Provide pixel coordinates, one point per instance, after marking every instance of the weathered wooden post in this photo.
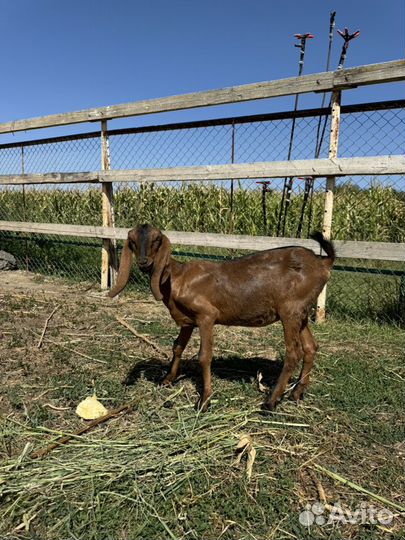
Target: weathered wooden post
(109, 247)
(330, 190)
(24, 209)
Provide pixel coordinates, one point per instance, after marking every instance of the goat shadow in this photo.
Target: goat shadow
(230, 368)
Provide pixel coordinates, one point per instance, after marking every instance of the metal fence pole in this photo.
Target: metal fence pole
(330, 189)
(109, 247)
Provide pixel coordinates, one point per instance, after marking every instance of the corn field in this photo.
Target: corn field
(376, 214)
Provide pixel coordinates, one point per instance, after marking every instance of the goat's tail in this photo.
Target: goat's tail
(326, 245)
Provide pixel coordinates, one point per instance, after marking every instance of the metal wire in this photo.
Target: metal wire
(366, 208)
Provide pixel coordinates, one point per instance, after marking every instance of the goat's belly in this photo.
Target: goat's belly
(252, 320)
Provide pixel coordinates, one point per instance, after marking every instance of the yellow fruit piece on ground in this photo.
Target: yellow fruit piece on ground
(90, 408)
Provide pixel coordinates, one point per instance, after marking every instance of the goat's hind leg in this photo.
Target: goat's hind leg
(309, 347)
(179, 345)
(293, 354)
(206, 327)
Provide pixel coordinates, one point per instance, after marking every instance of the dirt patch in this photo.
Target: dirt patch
(20, 281)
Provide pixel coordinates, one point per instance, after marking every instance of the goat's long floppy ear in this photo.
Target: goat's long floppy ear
(161, 271)
(124, 270)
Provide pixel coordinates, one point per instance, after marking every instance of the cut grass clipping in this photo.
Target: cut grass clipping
(148, 466)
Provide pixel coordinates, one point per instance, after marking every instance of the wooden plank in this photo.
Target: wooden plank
(318, 82)
(332, 154)
(329, 194)
(385, 251)
(109, 247)
(378, 165)
(50, 178)
(369, 74)
(59, 229)
(104, 208)
(246, 119)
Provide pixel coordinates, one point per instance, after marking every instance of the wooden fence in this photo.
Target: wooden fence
(330, 168)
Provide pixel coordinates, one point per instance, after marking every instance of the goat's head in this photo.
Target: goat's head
(145, 242)
(152, 252)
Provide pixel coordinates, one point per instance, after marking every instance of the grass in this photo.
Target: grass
(165, 471)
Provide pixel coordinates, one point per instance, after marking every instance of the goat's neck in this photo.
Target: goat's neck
(175, 270)
(176, 267)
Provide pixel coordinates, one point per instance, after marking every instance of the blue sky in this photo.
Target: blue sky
(71, 55)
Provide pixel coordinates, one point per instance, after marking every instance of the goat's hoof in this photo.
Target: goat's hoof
(167, 381)
(202, 406)
(269, 406)
(298, 395)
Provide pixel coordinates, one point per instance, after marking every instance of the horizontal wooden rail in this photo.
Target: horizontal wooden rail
(318, 82)
(226, 121)
(351, 249)
(378, 165)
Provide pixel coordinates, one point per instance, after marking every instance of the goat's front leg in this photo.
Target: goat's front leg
(179, 345)
(206, 327)
(293, 354)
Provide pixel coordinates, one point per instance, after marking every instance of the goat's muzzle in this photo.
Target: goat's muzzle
(145, 265)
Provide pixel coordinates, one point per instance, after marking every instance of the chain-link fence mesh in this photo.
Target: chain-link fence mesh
(366, 208)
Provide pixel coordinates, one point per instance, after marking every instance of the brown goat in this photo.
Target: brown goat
(255, 290)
